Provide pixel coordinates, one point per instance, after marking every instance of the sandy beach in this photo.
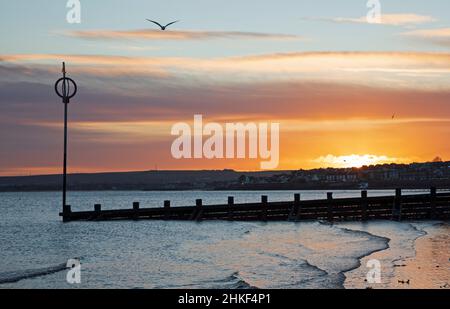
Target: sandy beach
(430, 268)
(417, 256)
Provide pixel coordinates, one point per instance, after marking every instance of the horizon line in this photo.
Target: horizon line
(222, 170)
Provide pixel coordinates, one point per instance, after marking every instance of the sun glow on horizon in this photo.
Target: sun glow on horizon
(355, 160)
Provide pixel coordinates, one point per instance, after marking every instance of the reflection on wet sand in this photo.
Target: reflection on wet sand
(430, 268)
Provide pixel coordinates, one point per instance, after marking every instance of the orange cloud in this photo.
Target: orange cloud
(439, 36)
(117, 132)
(149, 34)
(433, 33)
(387, 69)
(404, 19)
(305, 125)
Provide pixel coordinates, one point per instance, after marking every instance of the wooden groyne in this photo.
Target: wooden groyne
(398, 207)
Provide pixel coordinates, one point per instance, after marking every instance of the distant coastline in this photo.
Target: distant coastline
(387, 176)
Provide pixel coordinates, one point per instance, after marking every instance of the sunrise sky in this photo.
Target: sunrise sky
(332, 81)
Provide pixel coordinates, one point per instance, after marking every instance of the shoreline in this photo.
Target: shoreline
(363, 257)
(418, 257)
(224, 189)
(430, 267)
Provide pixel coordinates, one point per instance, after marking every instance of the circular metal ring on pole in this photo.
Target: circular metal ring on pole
(64, 83)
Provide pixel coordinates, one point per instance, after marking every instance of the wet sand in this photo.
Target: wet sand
(430, 268)
(417, 256)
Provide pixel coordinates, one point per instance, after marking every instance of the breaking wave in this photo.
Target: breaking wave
(15, 276)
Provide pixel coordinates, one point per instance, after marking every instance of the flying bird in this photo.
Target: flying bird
(161, 26)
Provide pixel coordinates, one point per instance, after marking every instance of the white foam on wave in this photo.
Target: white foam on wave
(16, 276)
(402, 237)
(288, 255)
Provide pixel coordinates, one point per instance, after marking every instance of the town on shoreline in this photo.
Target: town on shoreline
(386, 176)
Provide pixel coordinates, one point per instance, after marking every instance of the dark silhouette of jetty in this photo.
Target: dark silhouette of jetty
(399, 207)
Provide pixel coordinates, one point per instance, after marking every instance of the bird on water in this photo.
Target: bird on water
(161, 26)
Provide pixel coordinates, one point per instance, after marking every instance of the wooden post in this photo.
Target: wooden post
(297, 199)
(198, 211)
(97, 210)
(364, 205)
(397, 208)
(66, 213)
(294, 214)
(264, 207)
(135, 210)
(166, 210)
(230, 207)
(330, 206)
(433, 203)
(97, 207)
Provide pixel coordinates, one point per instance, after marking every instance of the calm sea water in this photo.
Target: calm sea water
(35, 244)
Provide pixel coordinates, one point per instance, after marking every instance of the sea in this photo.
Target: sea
(35, 245)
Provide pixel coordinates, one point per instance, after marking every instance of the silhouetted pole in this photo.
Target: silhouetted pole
(63, 90)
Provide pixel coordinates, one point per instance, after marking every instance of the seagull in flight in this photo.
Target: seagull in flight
(161, 26)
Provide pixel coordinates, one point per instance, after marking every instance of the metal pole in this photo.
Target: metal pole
(65, 135)
(65, 88)
(65, 157)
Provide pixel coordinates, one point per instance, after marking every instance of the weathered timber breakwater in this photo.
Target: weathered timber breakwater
(397, 207)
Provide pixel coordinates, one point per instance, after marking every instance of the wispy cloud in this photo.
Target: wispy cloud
(406, 19)
(150, 34)
(128, 131)
(440, 36)
(391, 69)
(303, 125)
